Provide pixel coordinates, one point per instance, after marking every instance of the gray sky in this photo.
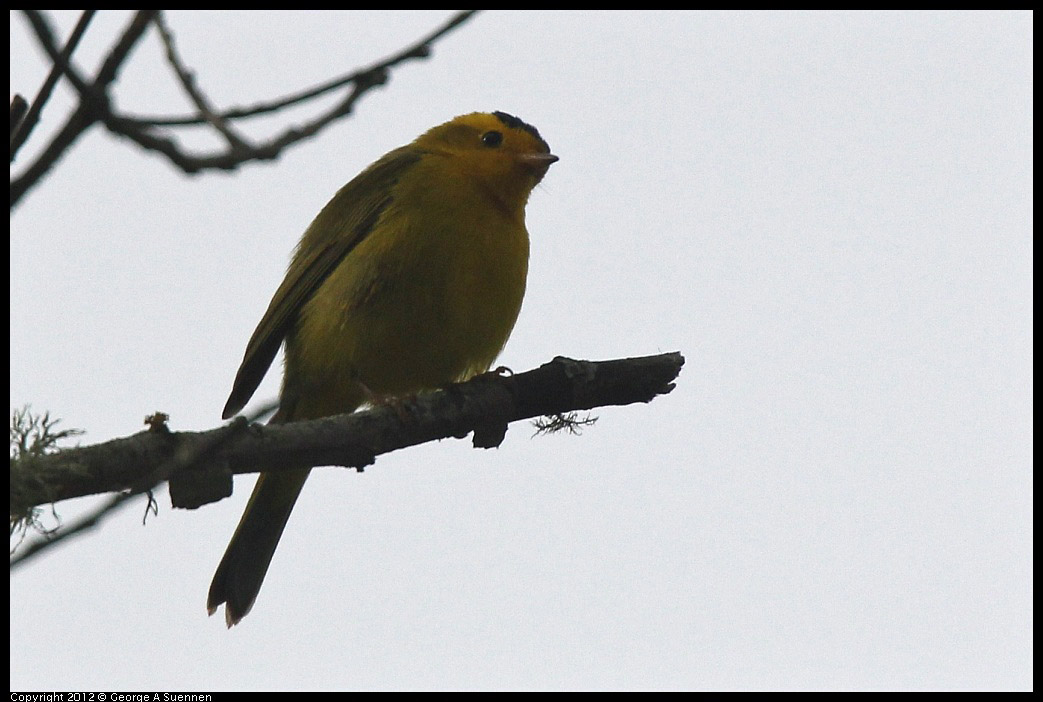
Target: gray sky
(829, 215)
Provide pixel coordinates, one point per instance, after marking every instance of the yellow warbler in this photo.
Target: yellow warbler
(409, 279)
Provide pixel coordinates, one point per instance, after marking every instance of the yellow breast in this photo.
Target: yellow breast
(427, 298)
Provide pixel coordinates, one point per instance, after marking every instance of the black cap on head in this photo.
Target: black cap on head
(515, 123)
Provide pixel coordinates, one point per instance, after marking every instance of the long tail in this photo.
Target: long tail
(242, 569)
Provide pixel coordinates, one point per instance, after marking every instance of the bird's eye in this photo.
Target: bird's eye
(492, 139)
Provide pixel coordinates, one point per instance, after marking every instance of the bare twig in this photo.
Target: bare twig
(420, 49)
(88, 111)
(96, 107)
(188, 81)
(81, 525)
(18, 109)
(25, 128)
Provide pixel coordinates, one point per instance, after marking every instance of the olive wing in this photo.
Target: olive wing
(345, 221)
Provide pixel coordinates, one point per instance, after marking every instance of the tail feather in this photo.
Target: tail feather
(242, 569)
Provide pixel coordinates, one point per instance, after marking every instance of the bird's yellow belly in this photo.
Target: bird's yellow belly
(406, 311)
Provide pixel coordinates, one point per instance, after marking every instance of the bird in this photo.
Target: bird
(409, 279)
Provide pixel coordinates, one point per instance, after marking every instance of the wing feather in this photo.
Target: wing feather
(345, 221)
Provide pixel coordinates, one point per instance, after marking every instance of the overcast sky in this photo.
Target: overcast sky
(829, 215)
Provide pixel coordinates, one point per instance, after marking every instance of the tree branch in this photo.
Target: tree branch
(43, 95)
(82, 525)
(200, 465)
(95, 105)
(187, 78)
(369, 75)
(87, 113)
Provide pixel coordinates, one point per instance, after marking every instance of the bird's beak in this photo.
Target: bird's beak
(537, 160)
